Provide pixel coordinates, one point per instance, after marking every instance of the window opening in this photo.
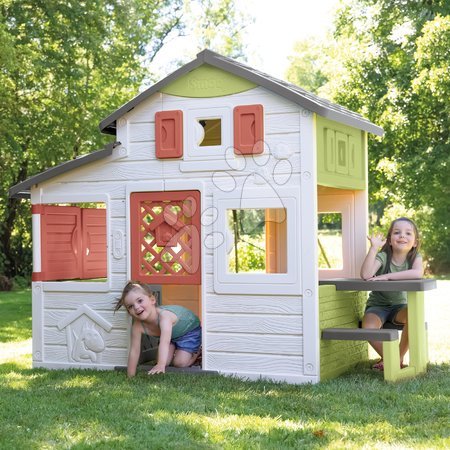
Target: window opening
(259, 240)
(330, 241)
(212, 129)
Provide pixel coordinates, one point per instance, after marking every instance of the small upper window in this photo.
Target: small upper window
(212, 132)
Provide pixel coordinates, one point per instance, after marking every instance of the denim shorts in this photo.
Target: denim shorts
(386, 313)
(189, 342)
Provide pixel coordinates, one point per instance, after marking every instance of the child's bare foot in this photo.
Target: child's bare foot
(378, 366)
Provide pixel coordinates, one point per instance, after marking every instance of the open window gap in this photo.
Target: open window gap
(212, 129)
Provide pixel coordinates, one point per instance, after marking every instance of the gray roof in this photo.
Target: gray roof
(22, 190)
(289, 91)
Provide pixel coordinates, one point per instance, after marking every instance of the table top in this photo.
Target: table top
(357, 284)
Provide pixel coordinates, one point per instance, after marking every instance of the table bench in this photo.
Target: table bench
(418, 346)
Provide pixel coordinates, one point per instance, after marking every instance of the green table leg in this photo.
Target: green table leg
(418, 344)
(391, 360)
(417, 333)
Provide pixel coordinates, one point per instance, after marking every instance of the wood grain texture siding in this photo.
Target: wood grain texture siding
(142, 132)
(259, 364)
(257, 324)
(71, 300)
(141, 151)
(112, 188)
(282, 123)
(122, 171)
(253, 304)
(267, 344)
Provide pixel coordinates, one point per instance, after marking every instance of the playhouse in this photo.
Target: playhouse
(213, 163)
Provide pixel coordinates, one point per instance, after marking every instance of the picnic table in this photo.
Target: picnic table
(418, 344)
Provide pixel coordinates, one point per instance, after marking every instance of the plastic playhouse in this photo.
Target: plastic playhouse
(234, 193)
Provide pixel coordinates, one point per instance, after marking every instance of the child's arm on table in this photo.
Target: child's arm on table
(414, 273)
(135, 349)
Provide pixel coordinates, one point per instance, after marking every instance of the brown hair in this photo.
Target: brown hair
(131, 286)
(387, 248)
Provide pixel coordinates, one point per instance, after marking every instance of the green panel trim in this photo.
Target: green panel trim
(340, 309)
(341, 155)
(207, 81)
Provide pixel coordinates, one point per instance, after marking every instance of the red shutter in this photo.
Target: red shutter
(61, 251)
(94, 243)
(73, 243)
(248, 129)
(169, 134)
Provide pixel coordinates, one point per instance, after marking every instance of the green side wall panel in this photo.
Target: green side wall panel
(207, 81)
(340, 309)
(341, 155)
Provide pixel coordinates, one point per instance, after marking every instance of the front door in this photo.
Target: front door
(165, 245)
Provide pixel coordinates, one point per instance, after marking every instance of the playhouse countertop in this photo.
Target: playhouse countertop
(356, 284)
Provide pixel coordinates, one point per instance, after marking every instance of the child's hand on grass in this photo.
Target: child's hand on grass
(159, 368)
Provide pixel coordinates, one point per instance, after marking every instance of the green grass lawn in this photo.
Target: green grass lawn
(81, 409)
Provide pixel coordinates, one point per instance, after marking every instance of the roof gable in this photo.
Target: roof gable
(207, 81)
(287, 90)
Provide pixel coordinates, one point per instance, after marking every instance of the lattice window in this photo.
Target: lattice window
(165, 237)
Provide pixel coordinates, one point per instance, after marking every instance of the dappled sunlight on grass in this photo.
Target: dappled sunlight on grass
(18, 351)
(80, 381)
(232, 430)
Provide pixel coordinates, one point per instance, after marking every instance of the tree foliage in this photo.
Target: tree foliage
(390, 61)
(65, 65)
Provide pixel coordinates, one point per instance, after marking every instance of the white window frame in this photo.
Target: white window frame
(344, 205)
(226, 282)
(193, 149)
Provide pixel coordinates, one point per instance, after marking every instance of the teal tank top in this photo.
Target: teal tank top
(186, 322)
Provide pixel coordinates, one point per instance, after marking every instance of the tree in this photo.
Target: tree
(65, 65)
(391, 64)
(306, 65)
